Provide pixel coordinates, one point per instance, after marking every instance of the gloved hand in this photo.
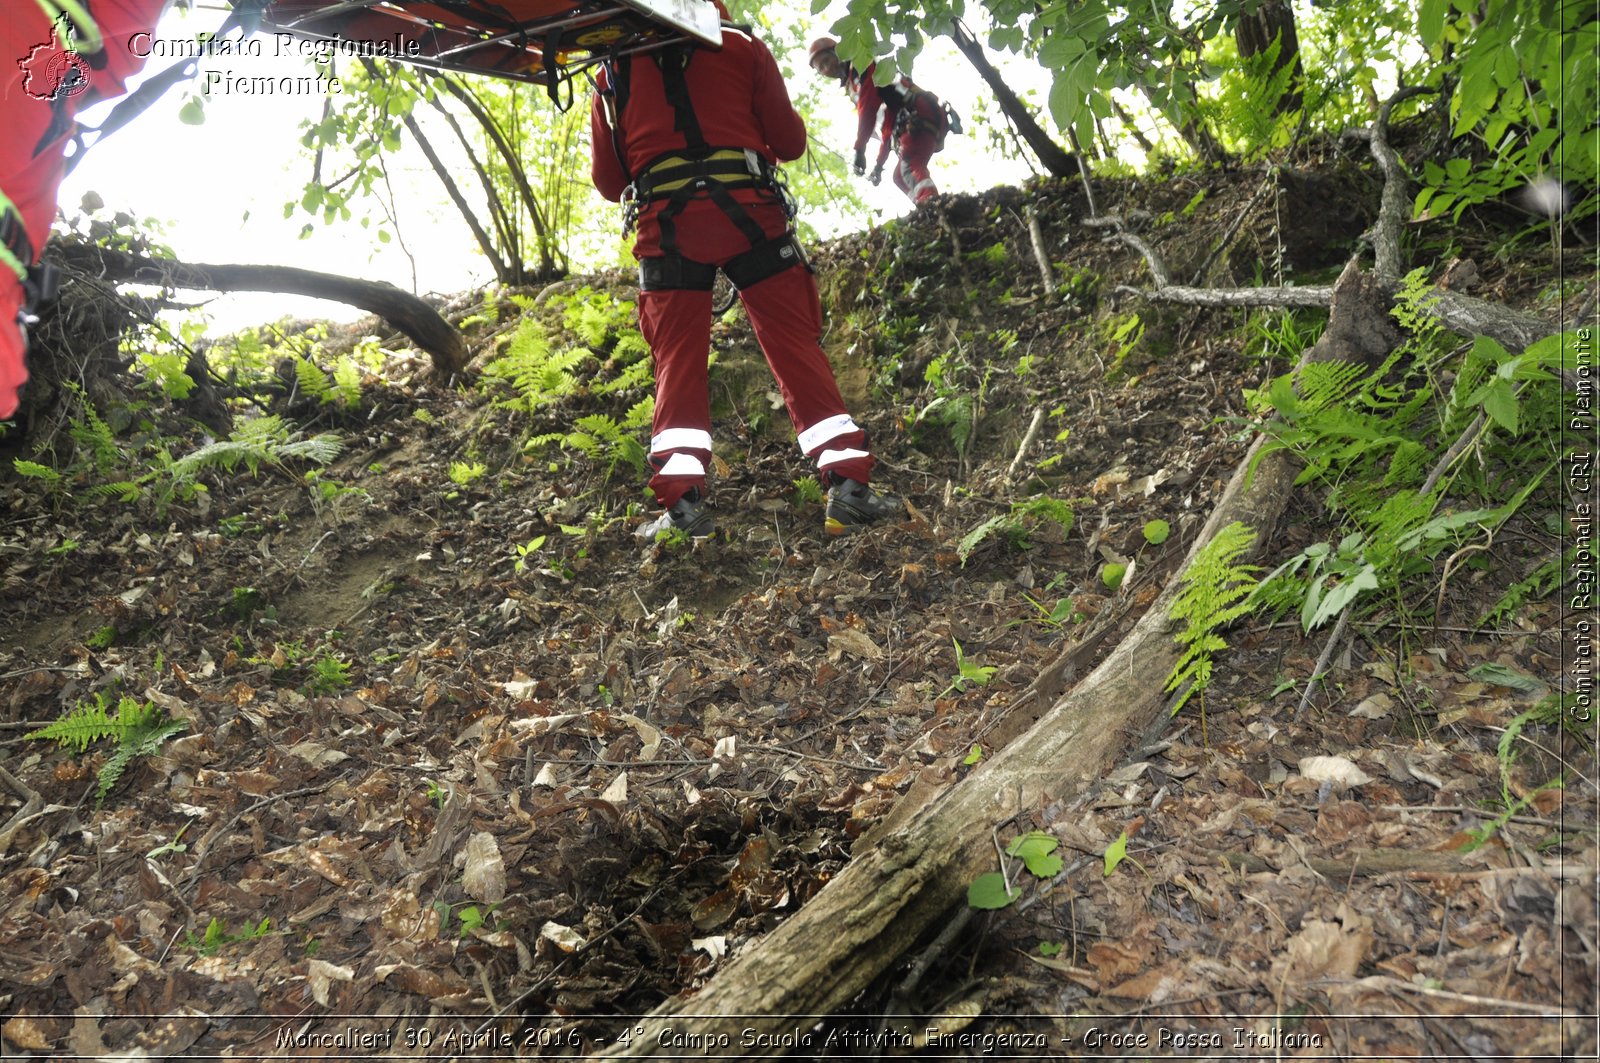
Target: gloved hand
(876, 175)
(860, 165)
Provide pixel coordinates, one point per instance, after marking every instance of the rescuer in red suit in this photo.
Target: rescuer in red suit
(687, 137)
(913, 121)
(55, 59)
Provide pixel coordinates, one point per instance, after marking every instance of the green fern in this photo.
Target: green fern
(346, 383)
(603, 438)
(537, 375)
(310, 378)
(83, 726)
(34, 471)
(1216, 592)
(636, 374)
(257, 442)
(1017, 524)
(124, 491)
(641, 414)
(95, 436)
(139, 729)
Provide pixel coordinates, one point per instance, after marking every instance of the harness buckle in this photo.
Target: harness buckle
(630, 208)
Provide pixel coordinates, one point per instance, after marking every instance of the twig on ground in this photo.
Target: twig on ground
(1036, 236)
(1027, 441)
(1322, 663)
(1382, 981)
(31, 803)
(202, 848)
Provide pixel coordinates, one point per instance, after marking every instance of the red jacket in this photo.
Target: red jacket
(870, 99)
(739, 100)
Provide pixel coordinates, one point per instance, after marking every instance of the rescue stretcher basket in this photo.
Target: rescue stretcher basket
(544, 42)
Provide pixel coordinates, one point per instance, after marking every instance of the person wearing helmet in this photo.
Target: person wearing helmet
(57, 60)
(913, 120)
(687, 139)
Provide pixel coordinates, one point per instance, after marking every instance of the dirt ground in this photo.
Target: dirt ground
(529, 802)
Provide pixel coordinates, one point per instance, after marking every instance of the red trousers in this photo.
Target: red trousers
(911, 168)
(38, 105)
(916, 146)
(787, 317)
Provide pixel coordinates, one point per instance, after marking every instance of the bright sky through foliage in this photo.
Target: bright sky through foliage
(219, 188)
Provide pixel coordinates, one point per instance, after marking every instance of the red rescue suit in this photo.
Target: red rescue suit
(43, 84)
(913, 121)
(695, 131)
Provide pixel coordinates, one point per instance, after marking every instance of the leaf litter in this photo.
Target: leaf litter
(549, 799)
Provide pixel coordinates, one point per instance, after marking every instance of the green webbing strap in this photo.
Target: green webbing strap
(79, 17)
(15, 238)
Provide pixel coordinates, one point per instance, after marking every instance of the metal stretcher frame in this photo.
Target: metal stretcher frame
(537, 41)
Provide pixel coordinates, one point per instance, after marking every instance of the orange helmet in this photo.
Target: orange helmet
(823, 44)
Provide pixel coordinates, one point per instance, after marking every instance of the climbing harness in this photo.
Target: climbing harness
(698, 170)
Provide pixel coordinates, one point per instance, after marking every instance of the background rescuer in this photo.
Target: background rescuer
(687, 139)
(914, 120)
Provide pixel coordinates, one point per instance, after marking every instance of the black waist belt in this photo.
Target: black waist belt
(715, 172)
(728, 167)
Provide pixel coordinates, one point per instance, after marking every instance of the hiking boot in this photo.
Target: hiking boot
(689, 514)
(852, 505)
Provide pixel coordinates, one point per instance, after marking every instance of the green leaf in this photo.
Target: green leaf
(1111, 575)
(1156, 532)
(1116, 852)
(193, 112)
(1050, 948)
(1500, 403)
(1333, 603)
(1500, 675)
(973, 756)
(1037, 850)
(988, 892)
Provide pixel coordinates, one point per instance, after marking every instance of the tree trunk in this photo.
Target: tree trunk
(1254, 34)
(1055, 159)
(410, 315)
(883, 901)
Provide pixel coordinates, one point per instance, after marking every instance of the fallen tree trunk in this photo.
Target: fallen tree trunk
(820, 960)
(405, 312)
(817, 962)
(1461, 314)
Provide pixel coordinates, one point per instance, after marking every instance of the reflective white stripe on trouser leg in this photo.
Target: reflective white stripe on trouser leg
(681, 464)
(921, 186)
(826, 429)
(834, 457)
(680, 439)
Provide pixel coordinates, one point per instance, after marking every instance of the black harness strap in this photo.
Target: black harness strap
(674, 64)
(14, 236)
(681, 176)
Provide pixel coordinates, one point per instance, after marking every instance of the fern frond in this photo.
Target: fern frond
(125, 491)
(310, 378)
(321, 449)
(1216, 592)
(347, 383)
(599, 425)
(641, 413)
(143, 741)
(34, 471)
(85, 724)
(974, 538)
